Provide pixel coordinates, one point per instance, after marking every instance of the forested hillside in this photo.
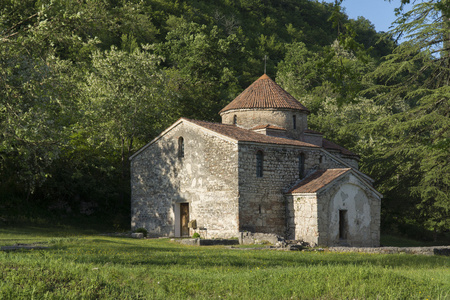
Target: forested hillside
(85, 83)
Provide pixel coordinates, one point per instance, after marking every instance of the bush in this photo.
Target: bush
(196, 235)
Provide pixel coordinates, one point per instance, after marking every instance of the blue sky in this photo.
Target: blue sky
(379, 12)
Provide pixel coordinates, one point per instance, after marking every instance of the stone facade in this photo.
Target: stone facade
(258, 171)
(314, 218)
(205, 178)
(262, 202)
(248, 119)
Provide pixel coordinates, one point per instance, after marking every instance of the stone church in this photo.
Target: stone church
(260, 170)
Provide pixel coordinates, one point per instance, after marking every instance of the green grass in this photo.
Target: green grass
(396, 241)
(26, 234)
(92, 267)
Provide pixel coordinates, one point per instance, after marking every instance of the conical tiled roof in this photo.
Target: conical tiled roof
(264, 93)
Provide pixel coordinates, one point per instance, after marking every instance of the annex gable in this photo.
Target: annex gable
(321, 179)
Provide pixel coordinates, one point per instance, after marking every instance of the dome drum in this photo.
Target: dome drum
(294, 121)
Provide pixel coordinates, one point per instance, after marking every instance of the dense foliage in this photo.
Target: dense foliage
(84, 84)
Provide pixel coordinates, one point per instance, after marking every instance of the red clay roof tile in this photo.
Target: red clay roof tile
(246, 135)
(317, 180)
(264, 93)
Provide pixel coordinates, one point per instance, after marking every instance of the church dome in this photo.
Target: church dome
(264, 104)
(264, 93)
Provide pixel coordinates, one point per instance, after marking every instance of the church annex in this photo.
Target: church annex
(260, 170)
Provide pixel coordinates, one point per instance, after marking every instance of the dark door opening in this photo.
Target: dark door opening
(343, 224)
(184, 214)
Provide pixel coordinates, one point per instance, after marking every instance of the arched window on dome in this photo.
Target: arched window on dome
(259, 163)
(294, 121)
(235, 120)
(180, 147)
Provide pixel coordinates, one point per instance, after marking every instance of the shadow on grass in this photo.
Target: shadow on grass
(167, 255)
(163, 253)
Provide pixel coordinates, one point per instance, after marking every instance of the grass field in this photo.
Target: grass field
(89, 266)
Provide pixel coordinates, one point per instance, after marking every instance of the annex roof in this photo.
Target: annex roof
(264, 93)
(317, 180)
(321, 178)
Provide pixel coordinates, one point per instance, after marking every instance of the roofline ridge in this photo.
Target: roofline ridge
(176, 123)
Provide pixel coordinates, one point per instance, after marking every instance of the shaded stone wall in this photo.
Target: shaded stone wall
(351, 161)
(154, 186)
(206, 178)
(302, 218)
(329, 161)
(314, 139)
(314, 218)
(262, 206)
(248, 119)
(362, 207)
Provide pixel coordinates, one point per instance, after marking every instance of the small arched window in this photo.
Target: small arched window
(259, 163)
(294, 121)
(235, 120)
(180, 147)
(301, 165)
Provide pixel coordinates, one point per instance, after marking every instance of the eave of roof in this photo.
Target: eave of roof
(245, 135)
(268, 126)
(317, 180)
(231, 133)
(323, 177)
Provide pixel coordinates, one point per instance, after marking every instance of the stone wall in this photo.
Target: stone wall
(362, 208)
(314, 218)
(206, 178)
(315, 139)
(262, 206)
(328, 161)
(332, 160)
(249, 118)
(249, 238)
(352, 161)
(217, 177)
(302, 218)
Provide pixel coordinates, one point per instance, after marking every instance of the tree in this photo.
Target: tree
(418, 74)
(304, 72)
(126, 99)
(35, 117)
(201, 61)
(340, 65)
(36, 111)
